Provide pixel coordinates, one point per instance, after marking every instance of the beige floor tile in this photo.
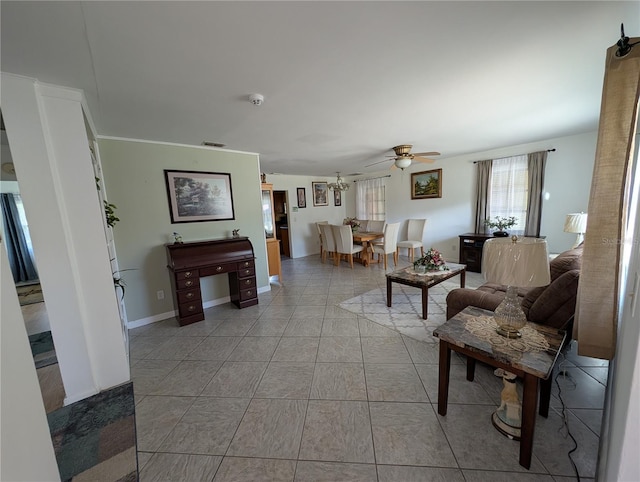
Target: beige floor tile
(340, 327)
(297, 349)
(178, 467)
(339, 349)
(271, 429)
(396, 473)
(339, 381)
(235, 379)
(384, 350)
(156, 416)
(286, 380)
(394, 382)
(255, 348)
(334, 471)
(241, 469)
(188, 379)
(215, 348)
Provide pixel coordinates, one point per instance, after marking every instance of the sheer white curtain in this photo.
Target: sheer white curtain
(370, 201)
(509, 190)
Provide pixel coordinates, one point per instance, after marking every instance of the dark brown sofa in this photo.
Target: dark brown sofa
(551, 305)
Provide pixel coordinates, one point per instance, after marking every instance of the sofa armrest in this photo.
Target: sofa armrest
(556, 304)
(486, 297)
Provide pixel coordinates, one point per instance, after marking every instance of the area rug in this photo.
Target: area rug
(44, 353)
(405, 314)
(29, 294)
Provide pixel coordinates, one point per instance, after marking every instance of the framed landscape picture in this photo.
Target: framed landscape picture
(320, 193)
(426, 184)
(196, 196)
(337, 198)
(302, 198)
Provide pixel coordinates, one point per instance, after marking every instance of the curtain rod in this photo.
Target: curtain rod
(548, 150)
(372, 178)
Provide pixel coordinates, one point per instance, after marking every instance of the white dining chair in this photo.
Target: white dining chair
(415, 232)
(389, 245)
(320, 237)
(329, 244)
(344, 244)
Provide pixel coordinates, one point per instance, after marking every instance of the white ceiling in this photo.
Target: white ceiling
(343, 81)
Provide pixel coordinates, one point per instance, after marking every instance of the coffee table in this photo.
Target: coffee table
(407, 276)
(531, 357)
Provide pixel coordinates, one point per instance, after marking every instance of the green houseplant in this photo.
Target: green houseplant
(500, 224)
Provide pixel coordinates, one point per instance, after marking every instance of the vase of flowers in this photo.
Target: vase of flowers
(431, 261)
(500, 224)
(353, 222)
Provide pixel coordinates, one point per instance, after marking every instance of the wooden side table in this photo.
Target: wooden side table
(472, 333)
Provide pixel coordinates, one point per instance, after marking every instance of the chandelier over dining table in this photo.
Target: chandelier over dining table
(339, 185)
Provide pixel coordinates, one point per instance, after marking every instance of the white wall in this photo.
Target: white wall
(302, 228)
(567, 182)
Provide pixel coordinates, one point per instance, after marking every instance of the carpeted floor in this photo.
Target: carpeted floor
(405, 314)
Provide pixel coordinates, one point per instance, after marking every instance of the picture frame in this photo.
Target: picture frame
(302, 197)
(426, 184)
(198, 196)
(337, 198)
(320, 193)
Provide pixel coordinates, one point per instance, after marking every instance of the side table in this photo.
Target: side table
(532, 357)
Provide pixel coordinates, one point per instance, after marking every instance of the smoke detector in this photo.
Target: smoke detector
(256, 99)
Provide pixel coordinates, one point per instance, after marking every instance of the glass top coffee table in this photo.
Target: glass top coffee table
(424, 281)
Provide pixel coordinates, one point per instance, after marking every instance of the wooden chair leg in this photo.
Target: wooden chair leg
(395, 259)
(351, 260)
(385, 261)
(421, 250)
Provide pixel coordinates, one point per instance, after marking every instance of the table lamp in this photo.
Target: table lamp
(516, 263)
(576, 223)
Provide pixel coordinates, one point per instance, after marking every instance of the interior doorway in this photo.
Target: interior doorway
(281, 208)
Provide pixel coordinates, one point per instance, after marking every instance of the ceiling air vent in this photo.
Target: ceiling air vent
(212, 144)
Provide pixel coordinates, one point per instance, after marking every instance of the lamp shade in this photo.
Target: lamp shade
(523, 262)
(575, 223)
(403, 162)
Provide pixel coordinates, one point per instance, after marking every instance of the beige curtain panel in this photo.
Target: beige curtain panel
(536, 162)
(483, 174)
(598, 308)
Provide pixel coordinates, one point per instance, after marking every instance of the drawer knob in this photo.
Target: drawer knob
(219, 268)
(247, 282)
(189, 295)
(247, 271)
(189, 283)
(188, 274)
(246, 263)
(192, 308)
(249, 293)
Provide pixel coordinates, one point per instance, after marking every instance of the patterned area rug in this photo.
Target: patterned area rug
(405, 314)
(44, 353)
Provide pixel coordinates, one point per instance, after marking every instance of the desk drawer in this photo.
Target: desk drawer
(186, 274)
(221, 268)
(248, 294)
(188, 309)
(189, 296)
(184, 284)
(246, 283)
(246, 272)
(245, 264)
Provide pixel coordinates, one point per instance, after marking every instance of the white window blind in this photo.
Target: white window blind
(370, 199)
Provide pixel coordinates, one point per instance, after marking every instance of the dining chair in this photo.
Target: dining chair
(389, 245)
(375, 226)
(320, 237)
(415, 231)
(344, 244)
(364, 225)
(328, 241)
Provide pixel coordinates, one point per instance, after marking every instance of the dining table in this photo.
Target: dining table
(366, 238)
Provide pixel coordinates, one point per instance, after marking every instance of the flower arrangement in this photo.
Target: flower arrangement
(432, 261)
(501, 223)
(353, 222)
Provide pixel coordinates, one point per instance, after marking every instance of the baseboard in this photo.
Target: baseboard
(170, 314)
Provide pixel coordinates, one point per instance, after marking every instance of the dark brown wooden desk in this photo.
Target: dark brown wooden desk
(188, 262)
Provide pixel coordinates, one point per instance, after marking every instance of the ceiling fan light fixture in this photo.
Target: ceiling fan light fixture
(403, 162)
(339, 185)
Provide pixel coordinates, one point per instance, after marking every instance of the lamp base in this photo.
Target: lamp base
(509, 315)
(514, 433)
(508, 333)
(508, 416)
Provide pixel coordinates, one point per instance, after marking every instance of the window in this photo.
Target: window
(508, 191)
(370, 200)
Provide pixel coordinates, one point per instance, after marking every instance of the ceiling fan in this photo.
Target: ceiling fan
(404, 157)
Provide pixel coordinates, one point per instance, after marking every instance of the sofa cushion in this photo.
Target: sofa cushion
(566, 261)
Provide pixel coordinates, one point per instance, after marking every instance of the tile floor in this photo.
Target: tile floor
(297, 389)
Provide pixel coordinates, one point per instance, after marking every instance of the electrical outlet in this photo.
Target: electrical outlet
(160, 294)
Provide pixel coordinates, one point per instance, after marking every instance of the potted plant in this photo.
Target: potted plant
(501, 224)
(353, 222)
(431, 261)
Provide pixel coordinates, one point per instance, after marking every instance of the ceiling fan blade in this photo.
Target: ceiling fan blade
(426, 154)
(385, 160)
(393, 166)
(423, 159)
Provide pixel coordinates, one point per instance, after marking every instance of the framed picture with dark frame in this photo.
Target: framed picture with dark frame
(196, 196)
(426, 184)
(320, 197)
(302, 197)
(337, 198)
